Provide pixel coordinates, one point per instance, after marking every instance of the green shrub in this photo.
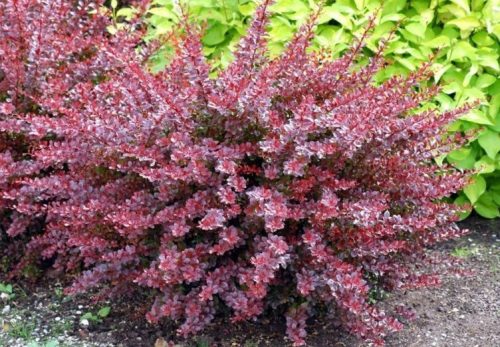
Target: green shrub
(464, 36)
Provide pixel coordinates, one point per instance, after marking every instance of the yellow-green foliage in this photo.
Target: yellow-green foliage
(467, 64)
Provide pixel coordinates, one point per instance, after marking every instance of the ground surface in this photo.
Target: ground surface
(463, 312)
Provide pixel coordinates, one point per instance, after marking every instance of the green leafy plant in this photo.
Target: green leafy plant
(464, 252)
(6, 288)
(462, 34)
(59, 292)
(60, 296)
(61, 327)
(377, 294)
(96, 317)
(21, 329)
(7, 291)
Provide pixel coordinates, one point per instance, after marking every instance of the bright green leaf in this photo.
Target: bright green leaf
(419, 5)
(472, 71)
(88, 316)
(465, 23)
(126, 12)
(485, 165)
(482, 39)
(393, 6)
(439, 70)
(417, 29)
(450, 32)
(409, 36)
(488, 59)
(496, 124)
(459, 154)
(328, 36)
(495, 189)
(451, 11)
(464, 4)
(426, 16)
(104, 312)
(445, 101)
(330, 12)
(112, 29)
(463, 158)
(440, 159)
(485, 80)
(477, 116)
(281, 30)
(215, 35)
(6, 288)
(461, 50)
(162, 12)
(494, 105)
(463, 202)
(247, 9)
(406, 62)
(495, 30)
(226, 57)
(495, 88)
(486, 206)
(360, 4)
(453, 87)
(393, 17)
(470, 94)
(475, 189)
(289, 6)
(490, 141)
(438, 42)
(477, 5)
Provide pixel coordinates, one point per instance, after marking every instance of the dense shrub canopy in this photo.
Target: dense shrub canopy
(463, 35)
(285, 184)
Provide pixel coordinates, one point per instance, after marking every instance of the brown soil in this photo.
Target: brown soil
(463, 312)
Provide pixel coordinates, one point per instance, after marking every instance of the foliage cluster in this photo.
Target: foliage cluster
(288, 184)
(95, 318)
(464, 35)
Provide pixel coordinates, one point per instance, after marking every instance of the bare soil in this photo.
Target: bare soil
(463, 312)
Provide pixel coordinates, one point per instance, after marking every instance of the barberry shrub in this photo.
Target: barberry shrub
(282, 184)
(46, 49)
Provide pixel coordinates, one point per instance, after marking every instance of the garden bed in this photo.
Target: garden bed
(464, 311)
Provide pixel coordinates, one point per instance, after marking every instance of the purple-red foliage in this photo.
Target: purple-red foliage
(281, 184)
(47, 48)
